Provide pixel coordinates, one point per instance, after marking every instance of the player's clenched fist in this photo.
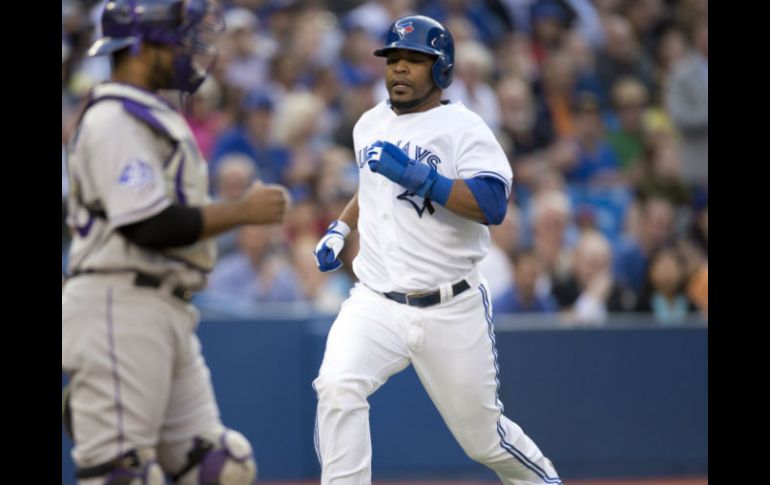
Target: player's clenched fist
(328, 248)
(391, 162)
(265, 204)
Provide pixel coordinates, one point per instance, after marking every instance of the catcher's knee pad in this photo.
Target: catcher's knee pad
(221, 457)
(135, 467)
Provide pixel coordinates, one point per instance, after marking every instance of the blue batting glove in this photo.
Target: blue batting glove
(391, 162)
(373, 156)
(328, 248)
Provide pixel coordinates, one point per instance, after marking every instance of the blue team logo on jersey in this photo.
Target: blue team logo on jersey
(418, 203)
(425, 156)
(403, 29)
(137, 174)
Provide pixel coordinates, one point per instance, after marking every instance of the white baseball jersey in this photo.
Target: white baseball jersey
(132, 156)
(407, 244)
(404, 247)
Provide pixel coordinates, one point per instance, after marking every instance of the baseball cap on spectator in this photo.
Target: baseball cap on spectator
(549, 9)
(258, 100)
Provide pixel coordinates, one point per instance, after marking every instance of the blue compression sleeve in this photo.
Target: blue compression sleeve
(439, 191)
(490, 196)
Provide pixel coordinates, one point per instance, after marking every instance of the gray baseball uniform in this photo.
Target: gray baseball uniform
(138, 378)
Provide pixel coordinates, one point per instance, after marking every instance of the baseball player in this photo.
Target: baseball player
(432, 176)
(141, 403)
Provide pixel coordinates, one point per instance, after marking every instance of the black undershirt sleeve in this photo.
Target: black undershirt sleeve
(174, 226)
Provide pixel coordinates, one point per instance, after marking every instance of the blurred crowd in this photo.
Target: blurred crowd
(601, 106)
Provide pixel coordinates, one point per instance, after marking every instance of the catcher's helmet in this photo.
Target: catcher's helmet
(186, 24)
(423, 34)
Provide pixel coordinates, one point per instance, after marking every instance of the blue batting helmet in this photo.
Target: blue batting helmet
(423, 34)
(186, 24)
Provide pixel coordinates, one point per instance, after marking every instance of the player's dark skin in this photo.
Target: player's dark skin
(152, 69)
(409, 80)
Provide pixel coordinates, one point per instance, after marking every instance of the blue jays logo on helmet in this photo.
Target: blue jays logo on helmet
(403, 29)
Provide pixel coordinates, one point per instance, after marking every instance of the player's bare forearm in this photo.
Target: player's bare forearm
(262, 204)
(350, 214)
(221, 217)
(462, 202)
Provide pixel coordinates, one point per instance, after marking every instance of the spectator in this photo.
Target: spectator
(522, 296)
(595, 162)
(655, 228)
(551, 219)
(622, 56)
(550, 22)
(646, 19)
(526, 132)
(514, 58)
(687, 104)
(665, 292)
(234, 176)
(252, 137)
(589, 292)
(489, 19)
(629, 101)
(248, 51)
(660, 174)
(586, 76)
(296, 126)
(556, 91)
(357, 65)
(671, 48)
(286, 75)
(588, 22)
(375, 16)
(256, 273)
(473, 69)
(356, 99)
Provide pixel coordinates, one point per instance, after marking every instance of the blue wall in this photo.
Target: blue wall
(599, 402)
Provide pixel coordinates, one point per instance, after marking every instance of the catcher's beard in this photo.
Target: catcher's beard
(161, 73)
(403, 106)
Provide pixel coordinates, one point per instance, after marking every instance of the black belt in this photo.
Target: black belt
(149, 281)
(425, 299)
(129, 460)
(144, 280)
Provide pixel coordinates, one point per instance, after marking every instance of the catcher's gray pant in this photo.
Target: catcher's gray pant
(137, 376)
(451, 346)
